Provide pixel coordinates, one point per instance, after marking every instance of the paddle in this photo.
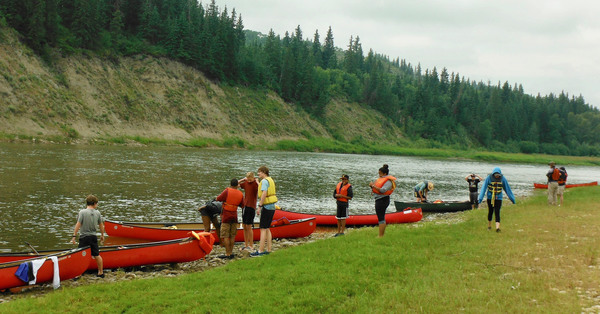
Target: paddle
(31, 246)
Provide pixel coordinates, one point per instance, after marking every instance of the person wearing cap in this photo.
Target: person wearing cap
(421, 191)
(342, 193)
(553, 176)
(473, 180)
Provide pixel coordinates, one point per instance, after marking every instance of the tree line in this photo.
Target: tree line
(431, 106)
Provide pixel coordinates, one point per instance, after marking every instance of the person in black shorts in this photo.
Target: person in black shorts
(87, 220)
(342, 193)
(473, 181)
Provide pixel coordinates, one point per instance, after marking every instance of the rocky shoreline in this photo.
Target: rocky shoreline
(164, 270)
(209, 262)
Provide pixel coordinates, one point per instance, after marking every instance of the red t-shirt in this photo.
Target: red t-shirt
(251, 189)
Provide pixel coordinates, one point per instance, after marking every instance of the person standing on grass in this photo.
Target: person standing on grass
(342, 193)
(473, 181)
(562, 182)
(381, 189)
(250, 185)
(87, 220)
(553, 175)
(493, 186)
(266, 210)
(232, 198)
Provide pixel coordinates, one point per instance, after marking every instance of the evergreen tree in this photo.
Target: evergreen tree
(329, 60)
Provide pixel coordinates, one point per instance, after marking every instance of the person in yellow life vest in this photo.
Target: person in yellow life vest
(342, 193)
(382, 188)
(232, 198)
(492, 187)
(266, 210)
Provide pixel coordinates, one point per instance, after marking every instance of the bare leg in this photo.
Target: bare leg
(248, 238)
(342, 222)
(100, 264)
(263, 239)
(382, 229)
(269, 240)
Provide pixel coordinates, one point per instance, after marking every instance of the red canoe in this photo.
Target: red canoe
(128, 255)
(408, 215)
(159, 231)
(71, 263)
(545, 186)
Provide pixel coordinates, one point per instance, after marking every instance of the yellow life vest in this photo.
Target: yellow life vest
(271, 197)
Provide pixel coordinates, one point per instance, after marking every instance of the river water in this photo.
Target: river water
(43, 186)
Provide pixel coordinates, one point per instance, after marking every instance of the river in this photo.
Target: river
(43, 186)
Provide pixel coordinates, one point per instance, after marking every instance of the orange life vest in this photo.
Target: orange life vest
(342, 190)
(380, 182)
(233, 200)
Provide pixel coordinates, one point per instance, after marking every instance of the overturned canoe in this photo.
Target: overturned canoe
(442, 207)
(71, 263)
(129, 255)
(409, 215)
(159, 231)
(545, 186)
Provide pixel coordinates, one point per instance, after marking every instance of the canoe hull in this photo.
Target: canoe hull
(411, 215)
(545, 186)
(444, 207)
(129, 255)
(71, 264)
(160, 231)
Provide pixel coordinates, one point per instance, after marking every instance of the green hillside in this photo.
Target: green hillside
(83, 97)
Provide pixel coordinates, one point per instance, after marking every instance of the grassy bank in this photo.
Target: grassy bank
(319, 144)
(545, 260)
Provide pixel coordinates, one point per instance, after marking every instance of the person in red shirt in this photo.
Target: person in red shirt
(232, 198)
(250, 186)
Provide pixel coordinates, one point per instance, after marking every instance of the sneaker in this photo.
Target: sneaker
(256, 254)
(230, 256)
(489, 228)
(100, 276)
(226, 256)
(498, 230)
(335, 235)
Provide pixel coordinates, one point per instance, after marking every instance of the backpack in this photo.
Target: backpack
(563, 175)
(556, 174)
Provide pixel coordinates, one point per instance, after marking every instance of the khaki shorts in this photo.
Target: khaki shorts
(560, 190)
(229, 230)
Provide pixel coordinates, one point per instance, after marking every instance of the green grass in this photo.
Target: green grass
(537, 264)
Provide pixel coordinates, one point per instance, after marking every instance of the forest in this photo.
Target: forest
(431, 106)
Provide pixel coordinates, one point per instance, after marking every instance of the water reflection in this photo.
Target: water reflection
(44, 186)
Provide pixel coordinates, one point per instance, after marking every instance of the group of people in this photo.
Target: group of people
(225, 207)
(260, 200)
(557, 180)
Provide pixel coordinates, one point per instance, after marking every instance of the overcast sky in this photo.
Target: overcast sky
(547, 46)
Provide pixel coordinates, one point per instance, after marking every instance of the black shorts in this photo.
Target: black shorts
(381, 206)
(473, 197)
(342, 210)
(248, 214)
(92, 242)
(266, 218)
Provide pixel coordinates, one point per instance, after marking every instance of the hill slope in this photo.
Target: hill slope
(88, 97)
